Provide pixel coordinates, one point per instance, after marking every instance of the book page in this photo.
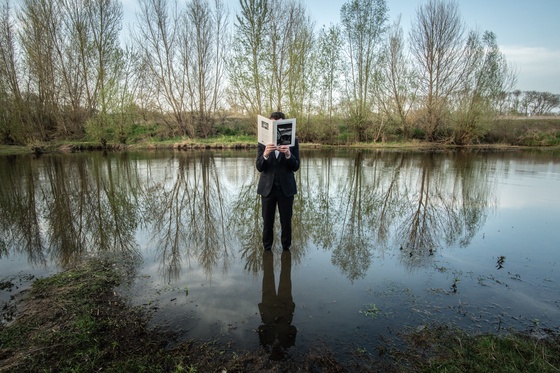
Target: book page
(265, 130)
(285, 131)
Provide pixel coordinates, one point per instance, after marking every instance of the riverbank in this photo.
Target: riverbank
(77, 321)
(241, 143)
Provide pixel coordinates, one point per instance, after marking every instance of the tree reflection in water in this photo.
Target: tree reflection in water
(197, 207)
(20, 210)
(353, 252)
(71, 207)
(247, 224)
(186, 208)
(447, 202)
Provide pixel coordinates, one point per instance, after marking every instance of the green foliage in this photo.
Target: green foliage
(358, 124)
(469, 127)
(524, 131)
(113, 128)
(235, 127)
(13, 129)
(318, 130)
(418, 133)
(97, 130)
(345, 136)
(536, 138)
(371, 311)
(139, 132)
(10, 129)
(226, 131)
(451, 350)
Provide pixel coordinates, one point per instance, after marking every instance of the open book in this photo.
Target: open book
(279, 132)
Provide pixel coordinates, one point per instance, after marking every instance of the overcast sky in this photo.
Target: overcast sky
(528, 31)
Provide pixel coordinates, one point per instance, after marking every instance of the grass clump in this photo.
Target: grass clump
(74, 321)
(446, 349)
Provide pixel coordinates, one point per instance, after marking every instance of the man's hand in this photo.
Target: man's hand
(269, 149)
(286, 150)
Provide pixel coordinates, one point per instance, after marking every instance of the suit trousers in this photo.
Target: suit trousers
(285, 208)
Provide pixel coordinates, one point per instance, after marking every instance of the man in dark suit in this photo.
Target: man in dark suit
(277, 187)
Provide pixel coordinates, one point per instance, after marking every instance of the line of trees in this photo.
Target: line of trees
(65, 72)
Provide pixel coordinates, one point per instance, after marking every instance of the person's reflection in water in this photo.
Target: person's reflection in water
(276, 333)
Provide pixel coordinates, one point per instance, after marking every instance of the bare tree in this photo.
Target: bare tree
(195, 54)
(539, 103)
(364, 24)
(105, 21)
(270, 69)
(329, 45)
(487, 78)
(250, 50)
(71, 51)
(515, 101)
(202, 49)
(438, 46)
(278, 39)
(158, 37)
(222, 39)
(12, 117)
(39, 24)
(300, 39)
(123, 105)
(290, 38)
(397, 88)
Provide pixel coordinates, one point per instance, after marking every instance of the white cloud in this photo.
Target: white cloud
(537, 67)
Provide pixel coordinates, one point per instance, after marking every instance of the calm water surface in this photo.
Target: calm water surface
(383, 241)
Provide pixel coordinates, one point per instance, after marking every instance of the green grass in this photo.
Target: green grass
(231, 139)
(448, 349)
(14, 149)
(73, 322)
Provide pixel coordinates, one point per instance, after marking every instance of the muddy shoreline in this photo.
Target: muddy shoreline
(76, 320)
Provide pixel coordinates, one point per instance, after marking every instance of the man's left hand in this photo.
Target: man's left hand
(286, 150)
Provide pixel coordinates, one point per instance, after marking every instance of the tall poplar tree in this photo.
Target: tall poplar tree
(248, 61)
(364, 23)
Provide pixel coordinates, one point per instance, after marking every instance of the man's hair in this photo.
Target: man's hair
(277, 115)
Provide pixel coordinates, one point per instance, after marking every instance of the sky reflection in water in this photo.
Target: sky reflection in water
(382, 240)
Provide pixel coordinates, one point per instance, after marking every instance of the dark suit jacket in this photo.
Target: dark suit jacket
(282, 167)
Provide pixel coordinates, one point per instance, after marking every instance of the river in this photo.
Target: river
(383, 242)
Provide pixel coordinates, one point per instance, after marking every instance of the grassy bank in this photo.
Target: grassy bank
(236, 143)
(504, 132)
(75, 321)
